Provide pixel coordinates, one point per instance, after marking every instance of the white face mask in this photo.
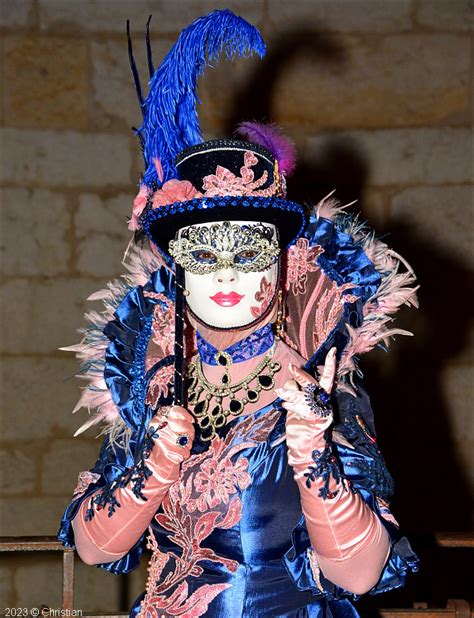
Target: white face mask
(231, 270)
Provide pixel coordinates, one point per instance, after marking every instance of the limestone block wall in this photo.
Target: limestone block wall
(377, 96)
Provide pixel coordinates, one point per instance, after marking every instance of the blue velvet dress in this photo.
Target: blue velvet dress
(230, 539)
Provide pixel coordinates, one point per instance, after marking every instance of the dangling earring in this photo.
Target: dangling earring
(279, 318)
(185, 292)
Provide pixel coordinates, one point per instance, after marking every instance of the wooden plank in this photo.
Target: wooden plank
(68, 580)
(415, 613)
(32, 543)
(455, 539)
(461, 607)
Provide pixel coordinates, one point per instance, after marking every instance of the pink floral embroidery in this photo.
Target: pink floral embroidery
(179, 604)
(264, 297)
(224, 182)
(163, 323)
(329, 310)
(161, 345)
(163, 328)
(301, 260)
(159, 385)
(217, 480)
(189, 525)
(84, 479)
(174, 191)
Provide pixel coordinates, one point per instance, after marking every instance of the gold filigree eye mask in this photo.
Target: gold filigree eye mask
(248, 248)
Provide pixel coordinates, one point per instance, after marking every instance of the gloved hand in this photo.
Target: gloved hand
(104, 539)
(350, 542)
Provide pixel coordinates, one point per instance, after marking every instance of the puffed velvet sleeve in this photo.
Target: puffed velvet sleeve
(361, 463)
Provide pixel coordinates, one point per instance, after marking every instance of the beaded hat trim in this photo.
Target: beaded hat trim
(288, 216)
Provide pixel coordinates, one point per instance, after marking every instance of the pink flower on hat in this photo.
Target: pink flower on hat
(139, 204)
(175, 191)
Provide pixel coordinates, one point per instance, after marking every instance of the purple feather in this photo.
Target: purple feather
(270, 136)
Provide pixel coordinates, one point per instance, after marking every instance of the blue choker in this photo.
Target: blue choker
(255, 344)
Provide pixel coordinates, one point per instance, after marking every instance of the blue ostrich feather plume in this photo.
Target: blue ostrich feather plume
(170, 120)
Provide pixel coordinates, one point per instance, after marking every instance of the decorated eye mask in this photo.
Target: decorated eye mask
(246, 248)
(231, 270)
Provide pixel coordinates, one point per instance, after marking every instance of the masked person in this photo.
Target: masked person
(240, 446)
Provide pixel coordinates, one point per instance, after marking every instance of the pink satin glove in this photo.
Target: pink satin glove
(350, 542)
(107, 539)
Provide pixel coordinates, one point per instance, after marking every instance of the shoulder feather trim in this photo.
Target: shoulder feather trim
(140, 263)
(396, 289)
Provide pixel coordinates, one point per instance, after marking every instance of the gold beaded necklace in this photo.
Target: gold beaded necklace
(207, 398)
(201, 392)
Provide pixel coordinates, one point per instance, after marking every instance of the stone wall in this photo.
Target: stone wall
(376, 95)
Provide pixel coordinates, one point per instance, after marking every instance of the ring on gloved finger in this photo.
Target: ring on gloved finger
(182, 440)
(318, 400)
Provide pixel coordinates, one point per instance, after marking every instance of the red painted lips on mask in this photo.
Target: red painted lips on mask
(227, 300)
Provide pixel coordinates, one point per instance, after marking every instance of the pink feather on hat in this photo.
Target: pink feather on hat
(270, 137)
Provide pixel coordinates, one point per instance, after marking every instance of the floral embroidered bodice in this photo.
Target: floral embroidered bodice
(222, 522)
(230, 538)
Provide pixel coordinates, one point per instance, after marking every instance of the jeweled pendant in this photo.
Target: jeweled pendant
(266, 382)
(216, 411)
(205, 422)
(193, 395)
(252, 395)
(223, 359)
(235, 406)
(219, 421)
(207, 433)
(201, 407)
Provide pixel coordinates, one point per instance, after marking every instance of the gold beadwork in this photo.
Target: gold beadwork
(279, 318)
(211, 417)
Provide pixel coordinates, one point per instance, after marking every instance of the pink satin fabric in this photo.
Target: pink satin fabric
(106, 539)
(349, 540)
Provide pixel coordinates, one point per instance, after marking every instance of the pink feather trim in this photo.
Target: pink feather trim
(159, 169)
(396, 289)
(270, 137)
(91, 350)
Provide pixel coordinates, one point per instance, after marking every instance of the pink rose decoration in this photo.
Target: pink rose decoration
(175, 191)
(139, 204)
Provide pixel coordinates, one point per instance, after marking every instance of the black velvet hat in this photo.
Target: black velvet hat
(229, 180)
